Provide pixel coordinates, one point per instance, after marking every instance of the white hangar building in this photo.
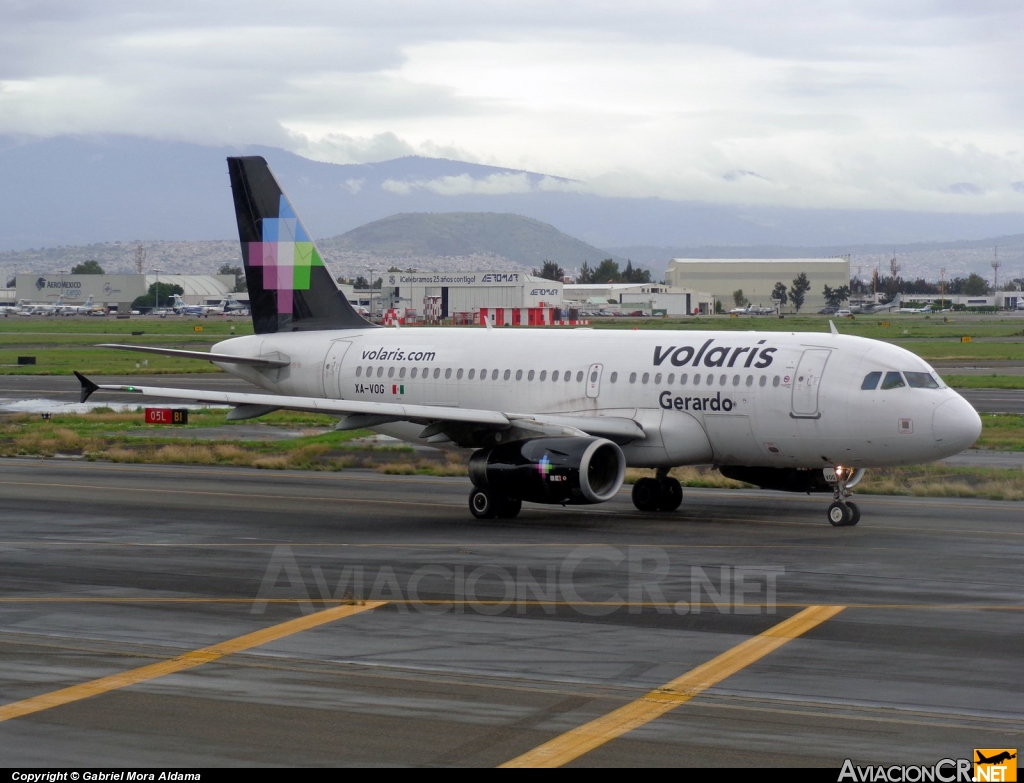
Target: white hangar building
(757, 277)
(464, 292)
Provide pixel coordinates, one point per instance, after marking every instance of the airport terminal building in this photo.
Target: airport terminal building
(757, 277)
(118, 290)
(452, 293)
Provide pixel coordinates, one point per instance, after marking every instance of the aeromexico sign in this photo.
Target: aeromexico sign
(66, 286)
(710, 355)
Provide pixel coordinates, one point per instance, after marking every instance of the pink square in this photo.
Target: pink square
(270, 277)
(255, 254)
(284, 301)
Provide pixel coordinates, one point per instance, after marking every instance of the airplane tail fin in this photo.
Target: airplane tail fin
(290, 289)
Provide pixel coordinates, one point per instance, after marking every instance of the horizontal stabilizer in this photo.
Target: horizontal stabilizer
(224, 358)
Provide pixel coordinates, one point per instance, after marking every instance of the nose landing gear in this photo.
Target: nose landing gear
(842, 512)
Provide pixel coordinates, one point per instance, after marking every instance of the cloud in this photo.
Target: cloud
(964, 189)
(867, 105)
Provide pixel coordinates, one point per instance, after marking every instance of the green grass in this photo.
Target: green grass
(984, 381)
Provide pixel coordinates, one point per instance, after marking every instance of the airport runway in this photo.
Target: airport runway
(66, 389)
(492, 640)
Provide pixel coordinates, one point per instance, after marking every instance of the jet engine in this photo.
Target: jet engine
(551, 470)
(792, 479)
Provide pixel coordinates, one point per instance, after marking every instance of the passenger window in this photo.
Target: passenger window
(471, 376)
(657, 378)
(722, 380)
(543, 375)
(893, 380)
(483, 375)
(696, 379)
(529, 375)
(775, 381)
(647, 377)
(735, 380)
(871, 380)
(507, 375)
(369, 371)
(568, 376)
(519, 375)
(579, 376)
(763, 381)
(921, 380)
(391, 372)
(750, 380)
(414, 371)
(593, 377)
(426, 372)
(401, 373)
(359, 371)
(613, 377)
(554, 375)
(458, 375)
(437, 372)
(682, 379)
(447, 374)
(494, 375)
(380, 371)
(632, 377)
(671, 378)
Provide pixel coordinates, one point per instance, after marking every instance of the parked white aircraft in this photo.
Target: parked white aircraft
(83, 309)
(556, 416)
(180, 308)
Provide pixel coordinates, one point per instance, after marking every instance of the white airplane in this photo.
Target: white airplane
(925, 309)
(180, 308)
(556, 416)
(45, 308)
(83, 309)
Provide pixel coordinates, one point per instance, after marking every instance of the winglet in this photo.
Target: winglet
(88, 387)
(832, 327)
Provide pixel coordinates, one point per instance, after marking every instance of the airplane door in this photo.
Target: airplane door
(332, 368)
(807, 382)
(594, 381)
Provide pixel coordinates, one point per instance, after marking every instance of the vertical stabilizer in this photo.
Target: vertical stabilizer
(290, 289)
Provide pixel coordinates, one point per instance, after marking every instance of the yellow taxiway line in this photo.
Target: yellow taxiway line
(574, 743)
(179, 663)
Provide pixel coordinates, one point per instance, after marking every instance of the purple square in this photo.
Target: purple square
(255, 254)
(284, 301)
(270, 277)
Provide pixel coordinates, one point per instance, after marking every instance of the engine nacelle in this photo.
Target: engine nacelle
(792, 479)
(551, 470)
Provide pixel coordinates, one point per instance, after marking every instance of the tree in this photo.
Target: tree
(607, 272)
(550, 271)
(167, 292)
(779, 293)
(836, 296)
(797, 291)
(635, 275)
(739, 298)
(975, 285)
(12, 282)
(90, 267)
(239, 273)
(586, 274)
(361, 283)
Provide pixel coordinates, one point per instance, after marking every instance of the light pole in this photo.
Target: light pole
(156, 310)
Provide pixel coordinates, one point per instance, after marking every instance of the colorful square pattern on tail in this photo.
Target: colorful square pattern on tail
(286, 255)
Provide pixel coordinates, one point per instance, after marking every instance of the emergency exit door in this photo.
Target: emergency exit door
(807, 382)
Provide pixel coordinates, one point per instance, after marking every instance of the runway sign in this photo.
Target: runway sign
(166, 415)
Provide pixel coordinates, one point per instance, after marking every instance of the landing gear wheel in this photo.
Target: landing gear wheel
(509, 508)
(647, 494)
(854, 513)
(671, 495)
(840, 514)
(483, 504)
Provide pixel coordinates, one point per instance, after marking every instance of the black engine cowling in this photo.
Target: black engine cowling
(551, 470)
(788, 479)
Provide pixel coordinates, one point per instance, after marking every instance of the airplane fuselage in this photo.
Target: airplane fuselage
(728, 398)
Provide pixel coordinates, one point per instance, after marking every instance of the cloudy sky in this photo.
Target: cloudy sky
(905, 105)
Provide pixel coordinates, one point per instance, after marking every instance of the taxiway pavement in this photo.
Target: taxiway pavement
(493, 637)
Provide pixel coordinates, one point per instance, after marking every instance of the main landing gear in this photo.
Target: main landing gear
(842, 512)
(663, 493)
(484, 504)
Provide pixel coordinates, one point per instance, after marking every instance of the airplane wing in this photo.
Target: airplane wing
(438, 419)
(225, 358)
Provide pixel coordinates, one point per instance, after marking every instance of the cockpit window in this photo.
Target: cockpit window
(893, 380)
(871, 381)
(921, 380)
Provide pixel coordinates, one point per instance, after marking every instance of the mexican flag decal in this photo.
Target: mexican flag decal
(396, 389)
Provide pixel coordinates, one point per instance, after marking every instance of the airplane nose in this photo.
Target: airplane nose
(956, 425)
